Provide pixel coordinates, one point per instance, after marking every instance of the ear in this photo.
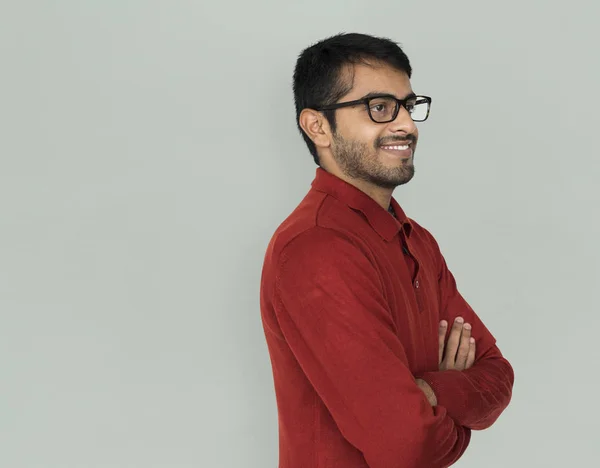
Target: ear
(316, 126)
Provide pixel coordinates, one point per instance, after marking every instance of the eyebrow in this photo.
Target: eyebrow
(374, 94)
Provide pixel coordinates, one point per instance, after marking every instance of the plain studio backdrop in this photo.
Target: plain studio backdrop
(149, 151)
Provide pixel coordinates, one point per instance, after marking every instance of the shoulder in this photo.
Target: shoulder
(319, 225)
(320, 248)
(326, 256)
(326, 260)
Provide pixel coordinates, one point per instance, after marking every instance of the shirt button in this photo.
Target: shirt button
(417, 284)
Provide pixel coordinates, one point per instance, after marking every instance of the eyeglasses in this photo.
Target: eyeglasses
(384, 108)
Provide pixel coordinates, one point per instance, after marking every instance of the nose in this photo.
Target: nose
(403, 123)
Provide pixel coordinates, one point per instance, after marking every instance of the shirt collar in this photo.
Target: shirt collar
(380, 219)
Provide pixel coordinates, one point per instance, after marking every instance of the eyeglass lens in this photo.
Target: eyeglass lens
(383, 109)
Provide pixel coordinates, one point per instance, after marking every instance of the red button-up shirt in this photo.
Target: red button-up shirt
(351, 300)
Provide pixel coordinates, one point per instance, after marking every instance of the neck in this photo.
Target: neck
(381, 195)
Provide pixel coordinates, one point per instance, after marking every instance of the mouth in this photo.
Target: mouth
(399, 149)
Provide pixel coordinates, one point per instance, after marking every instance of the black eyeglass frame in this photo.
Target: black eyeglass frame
(399, 103)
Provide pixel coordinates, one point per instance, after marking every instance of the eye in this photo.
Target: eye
(381, 106)
(410, 106)
(378, 107)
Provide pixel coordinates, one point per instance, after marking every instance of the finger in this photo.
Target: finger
(452, 344)
(441, 339)
(463, 348)
(471, 356)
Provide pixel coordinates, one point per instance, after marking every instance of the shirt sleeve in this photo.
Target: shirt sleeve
(475, 397)
(332, 312)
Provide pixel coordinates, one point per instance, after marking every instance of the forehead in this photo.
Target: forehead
(377, 77)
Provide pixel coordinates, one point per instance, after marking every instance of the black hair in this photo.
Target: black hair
(318, 73)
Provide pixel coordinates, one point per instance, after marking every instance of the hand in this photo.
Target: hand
(460, 349)
(428, 391)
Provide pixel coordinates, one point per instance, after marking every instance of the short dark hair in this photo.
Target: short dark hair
(318, 73)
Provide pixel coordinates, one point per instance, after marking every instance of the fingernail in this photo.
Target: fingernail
(460, 319)
(467, 326)
(472, 340)
(443, 323)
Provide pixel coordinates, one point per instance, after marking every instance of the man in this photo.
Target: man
(377, 359)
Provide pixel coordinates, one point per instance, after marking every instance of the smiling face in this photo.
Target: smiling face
(365, 152)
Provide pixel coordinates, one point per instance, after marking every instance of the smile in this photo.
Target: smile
(397, 147)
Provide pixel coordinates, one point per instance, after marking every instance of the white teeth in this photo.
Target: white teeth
(399, 148)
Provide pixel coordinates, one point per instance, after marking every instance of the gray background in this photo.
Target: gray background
(149, 150)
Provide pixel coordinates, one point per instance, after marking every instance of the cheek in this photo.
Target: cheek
(359, 132)
(373, 137)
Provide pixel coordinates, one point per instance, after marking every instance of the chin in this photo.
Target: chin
(391, 181)
(406, 175)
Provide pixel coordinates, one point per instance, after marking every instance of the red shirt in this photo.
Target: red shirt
(351, 300)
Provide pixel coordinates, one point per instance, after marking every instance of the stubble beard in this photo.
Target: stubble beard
(359, 161)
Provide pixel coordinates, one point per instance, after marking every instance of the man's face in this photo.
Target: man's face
(369, 151)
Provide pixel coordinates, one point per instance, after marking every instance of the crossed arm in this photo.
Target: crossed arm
(334, 317)
(476, 394)
(457, 353)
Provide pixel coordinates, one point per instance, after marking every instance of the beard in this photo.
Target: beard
(359, 161)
